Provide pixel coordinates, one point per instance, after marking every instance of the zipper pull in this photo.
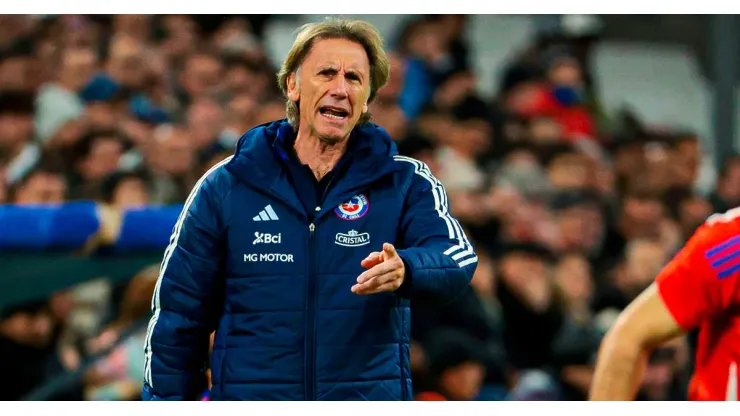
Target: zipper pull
(311, 227)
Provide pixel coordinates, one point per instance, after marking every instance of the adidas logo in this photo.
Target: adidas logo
(267, 214)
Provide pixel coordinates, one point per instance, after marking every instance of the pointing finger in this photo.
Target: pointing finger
(371, 260)
(377, 270)
(383, 283)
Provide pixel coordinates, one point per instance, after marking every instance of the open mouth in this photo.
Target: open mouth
(333, 113)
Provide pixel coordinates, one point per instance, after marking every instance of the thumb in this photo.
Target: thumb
(389, 250)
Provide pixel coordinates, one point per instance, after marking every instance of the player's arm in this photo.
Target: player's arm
(437, 255)
(186, 299)
(644, 325)
(692, 288)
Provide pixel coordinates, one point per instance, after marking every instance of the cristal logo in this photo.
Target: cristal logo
(266, 238)
(352, 239)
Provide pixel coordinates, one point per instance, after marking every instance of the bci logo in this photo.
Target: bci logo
(266, 238)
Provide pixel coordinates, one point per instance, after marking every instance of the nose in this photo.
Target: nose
(338, 89)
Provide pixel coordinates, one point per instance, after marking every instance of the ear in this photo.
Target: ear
(294, 93)
(365, 105)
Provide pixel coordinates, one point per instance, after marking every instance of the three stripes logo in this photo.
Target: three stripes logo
(267, 214)
(724, 258)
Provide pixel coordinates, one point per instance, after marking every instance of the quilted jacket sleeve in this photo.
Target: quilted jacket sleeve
(186, 298)
(437, 255)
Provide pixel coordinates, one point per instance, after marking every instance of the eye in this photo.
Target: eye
(352, 76)
(328, 72)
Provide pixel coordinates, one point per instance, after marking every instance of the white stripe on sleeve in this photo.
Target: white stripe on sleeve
(163, 268)
(462, 253)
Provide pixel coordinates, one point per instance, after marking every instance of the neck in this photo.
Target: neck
(319, 155)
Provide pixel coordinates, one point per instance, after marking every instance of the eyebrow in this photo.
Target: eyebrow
(333, 68)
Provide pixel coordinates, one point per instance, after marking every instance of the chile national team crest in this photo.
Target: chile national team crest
(353, 209)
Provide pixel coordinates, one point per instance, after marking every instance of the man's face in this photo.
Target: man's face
(131, 193)
(569, 171)
(581, 227)
(176, 154)
(463, 382)
(101, 115)
(202, 75)
(475, 136)
(127, 62)
(205, 119)
(567, 71)
(42, 188)
(103, 158)
(332, 87)
(642, 217)
(241, 110)
(573, 276)
(78, 67)
(545, 130)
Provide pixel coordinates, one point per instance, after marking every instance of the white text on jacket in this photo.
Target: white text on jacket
(268, 257)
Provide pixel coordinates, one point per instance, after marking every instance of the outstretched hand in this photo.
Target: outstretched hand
(385, 272)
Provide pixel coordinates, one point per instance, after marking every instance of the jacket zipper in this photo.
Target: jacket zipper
(311, 303)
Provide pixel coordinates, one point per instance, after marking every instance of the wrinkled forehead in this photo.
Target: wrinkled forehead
(337, 54)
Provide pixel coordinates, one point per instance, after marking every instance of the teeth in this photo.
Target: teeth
(336, 117)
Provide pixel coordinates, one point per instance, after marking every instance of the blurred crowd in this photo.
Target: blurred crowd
(573, 210)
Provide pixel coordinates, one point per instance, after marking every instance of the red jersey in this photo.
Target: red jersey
(701, 289)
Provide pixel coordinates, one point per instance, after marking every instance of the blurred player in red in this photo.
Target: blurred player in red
(699, 288)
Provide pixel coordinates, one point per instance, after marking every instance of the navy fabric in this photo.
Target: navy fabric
(248, 260)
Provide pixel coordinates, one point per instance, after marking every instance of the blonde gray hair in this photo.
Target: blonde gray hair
(357, 31)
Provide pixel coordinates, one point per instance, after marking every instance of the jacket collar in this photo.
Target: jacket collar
(256, 163)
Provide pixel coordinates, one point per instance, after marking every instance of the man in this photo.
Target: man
(457, 367)
(17, 146)
(699, 288)
(274, 247)
(59, 102)
(26, 332)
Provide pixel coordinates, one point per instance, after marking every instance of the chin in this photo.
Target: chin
(332, 138)
(331, 134)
